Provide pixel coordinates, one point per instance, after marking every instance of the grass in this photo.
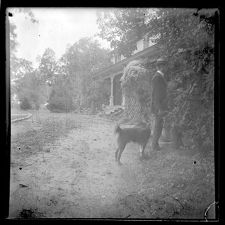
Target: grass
(29, 214)
(185, 184)
(43, 130)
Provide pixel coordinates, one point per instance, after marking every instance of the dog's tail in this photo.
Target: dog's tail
(117, 129)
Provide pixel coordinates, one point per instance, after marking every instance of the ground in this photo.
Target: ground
(63, 166)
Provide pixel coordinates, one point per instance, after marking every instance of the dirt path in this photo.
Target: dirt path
(78, 177)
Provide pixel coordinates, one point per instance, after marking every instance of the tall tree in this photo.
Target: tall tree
(28, 14)
(12, 36)
(79, 62)
(124, 27)
(18, 66)
(30, 88)
(75, 67)
(48, 65)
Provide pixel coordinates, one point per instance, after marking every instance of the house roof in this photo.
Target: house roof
(152, 52)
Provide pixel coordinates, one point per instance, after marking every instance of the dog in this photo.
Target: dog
(138, 134)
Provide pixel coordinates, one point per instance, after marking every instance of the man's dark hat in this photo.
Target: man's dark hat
(161, 61)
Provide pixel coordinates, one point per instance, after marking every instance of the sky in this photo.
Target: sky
(57, 29)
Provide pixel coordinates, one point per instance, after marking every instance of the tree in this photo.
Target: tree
(124, 27)
(78, 63)
(73, 86)
(28, 14)
(18, 66)
(25, 104)
(48, 66)
(12, 35)
(98, 93)
(60, 99)
(29, 88)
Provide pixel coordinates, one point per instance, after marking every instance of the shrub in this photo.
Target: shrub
(60, 101)
(25, 104)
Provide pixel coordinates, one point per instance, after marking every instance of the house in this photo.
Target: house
(112, 74)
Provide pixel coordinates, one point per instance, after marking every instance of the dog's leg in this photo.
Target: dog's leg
(121, 149)
(116, 154)
(142, 149)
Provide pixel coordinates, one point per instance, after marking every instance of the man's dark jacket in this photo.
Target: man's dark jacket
(159, 94)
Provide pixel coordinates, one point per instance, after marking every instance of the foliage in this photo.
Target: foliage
(84, 55)
(12, 29)
(98, 93)
(132, 73)
(60, 99)
(29, 87)
(123, 27)
(48, 65)
(189, 43)
(69, 78)
(136, 88)
(19, 67)
(76, 66)
(12, 35)
(187, 40)
(78, 63)
(25, 104)
(28, 14)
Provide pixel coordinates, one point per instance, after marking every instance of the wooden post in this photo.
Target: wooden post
(123, 98)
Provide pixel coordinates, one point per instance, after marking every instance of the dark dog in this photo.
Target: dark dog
(139, 134)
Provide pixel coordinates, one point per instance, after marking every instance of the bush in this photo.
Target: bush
(98, 93)
(25, 104)
(60, 101)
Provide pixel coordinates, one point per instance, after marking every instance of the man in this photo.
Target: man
(159, 107)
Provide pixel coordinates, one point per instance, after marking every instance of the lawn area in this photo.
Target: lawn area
(18, 111)
(43, 128)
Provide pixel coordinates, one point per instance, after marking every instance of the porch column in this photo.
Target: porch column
(111, 93)
(123, 99)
